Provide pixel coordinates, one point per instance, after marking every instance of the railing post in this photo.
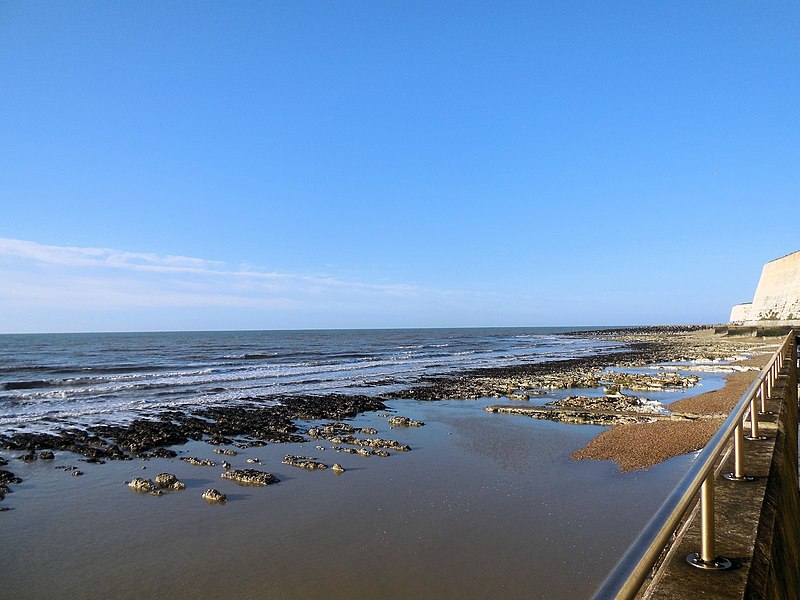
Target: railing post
(707, 557)
(754, 435)
(738, 457)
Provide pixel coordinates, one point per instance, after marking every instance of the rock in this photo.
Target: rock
(243, 425)
(404, 422)
(146, 486)
(168, 481)
(212, 495)
(8, 477)
(200, 462)
(46, 455)
(77, 473)
(619, 402)
(225, 451)
(320, 447)
(254, 461)
(163, 453)
(226, 465)
(380, 453)
(29, 457)
(250, 477)
(304, 462)
(369, 431)
(3, 462)
(337, 468)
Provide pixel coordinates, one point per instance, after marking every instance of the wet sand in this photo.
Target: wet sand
(641, 445)
(483, 506)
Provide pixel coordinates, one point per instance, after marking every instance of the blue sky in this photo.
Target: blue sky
(197, 165)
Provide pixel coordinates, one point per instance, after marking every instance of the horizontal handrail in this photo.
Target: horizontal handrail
(627, 577)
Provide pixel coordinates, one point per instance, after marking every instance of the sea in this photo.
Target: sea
(51, 380)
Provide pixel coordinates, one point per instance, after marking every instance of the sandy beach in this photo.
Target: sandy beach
(475, 502)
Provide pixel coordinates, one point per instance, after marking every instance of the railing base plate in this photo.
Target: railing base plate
(758, 438)
(733, 477)
(720, 563)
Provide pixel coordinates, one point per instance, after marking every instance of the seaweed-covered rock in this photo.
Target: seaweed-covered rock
(404, 422)
(200, 462)
(250, 477)
(7, 477)
(168, 481)
(146, 486)
(225, 451)
(212, 495)
(304, 462)
(46, 455)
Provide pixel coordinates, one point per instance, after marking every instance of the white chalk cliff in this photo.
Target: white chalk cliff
(777, 297)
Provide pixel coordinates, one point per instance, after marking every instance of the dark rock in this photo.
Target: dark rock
(46, 455)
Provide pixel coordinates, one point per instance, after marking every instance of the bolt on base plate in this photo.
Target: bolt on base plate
(720, 563)
(733, 477)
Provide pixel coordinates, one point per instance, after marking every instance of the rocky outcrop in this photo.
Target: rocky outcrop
(404, 422)
(225, 451)
(304, 462)
(577, 417)
(250, 477)
(6, 478)
(146, 486)
(164, 481)
(199, 462)
(214, 496)
(642, 382)
(370, 442)
(168, 481)
(618, 402)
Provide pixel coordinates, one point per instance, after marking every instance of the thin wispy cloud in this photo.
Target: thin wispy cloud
(69, 278)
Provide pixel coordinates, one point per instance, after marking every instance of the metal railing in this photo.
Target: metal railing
(627, 577)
